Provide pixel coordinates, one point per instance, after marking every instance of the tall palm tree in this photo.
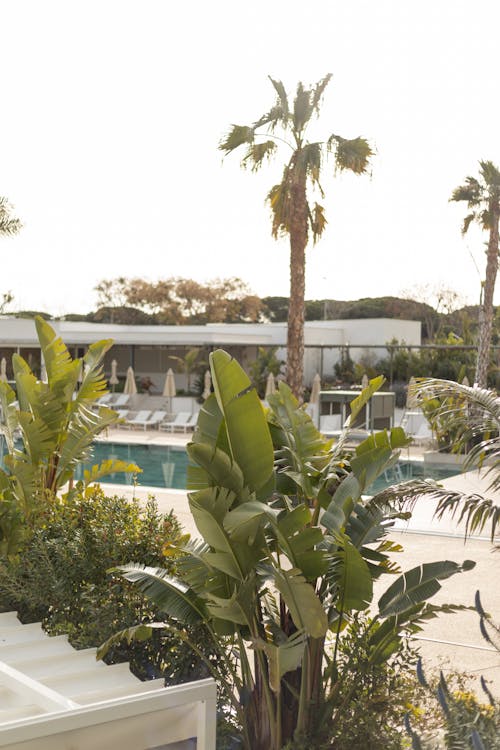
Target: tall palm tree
(292, 212)
(8, 224)
(483, 201)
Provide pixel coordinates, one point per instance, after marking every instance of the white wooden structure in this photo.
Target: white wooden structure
(53, 697)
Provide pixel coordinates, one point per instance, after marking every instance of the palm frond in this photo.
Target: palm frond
(237, 136)
(318, 91)
(282, 98)
(256, 153)
(353, 154)
(277, 115)
(9, 225)
(318, 221)
(302, 108)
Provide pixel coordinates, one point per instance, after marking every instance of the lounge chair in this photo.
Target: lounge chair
(105, 400)
(121, 400)
(153, 421)
(139, 418)
(183, 420)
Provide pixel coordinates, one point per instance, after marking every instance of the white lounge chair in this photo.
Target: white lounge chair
(139, 418)
(183, 420)
(105, 400)
(121, 400)
(153, 421)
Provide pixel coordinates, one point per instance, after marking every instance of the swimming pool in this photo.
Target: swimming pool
(166, 466)
(162, 465)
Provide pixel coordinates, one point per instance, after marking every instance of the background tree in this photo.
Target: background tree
(292, 212)
(8, 223)
(483, 200)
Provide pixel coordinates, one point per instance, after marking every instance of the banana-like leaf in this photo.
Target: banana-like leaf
(244, 522)
(10, 414)
(299, 541)
(350, 574)
(137, 633)
(347, 494)
(93, 385)
(387, 636)
(357, 403)
(107, 467)
(246, 425)
(62, 371)
(209, 422)
(209, 509)
(418, 585)
(301, 599)
(169, 594)
(238, 608)
(282, 657)
(218, 468)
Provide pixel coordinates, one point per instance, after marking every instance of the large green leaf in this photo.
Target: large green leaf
(282, 657)
(418, 585)
(209, 509)
(357, 403)
(107, 467)
(246, 425)
(351, 576)
(169, 594)
(301, 599)
(218, 468)
(62, 371)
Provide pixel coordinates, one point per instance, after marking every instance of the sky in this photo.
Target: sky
(113, 111)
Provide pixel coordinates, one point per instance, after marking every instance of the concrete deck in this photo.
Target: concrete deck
(452, 642)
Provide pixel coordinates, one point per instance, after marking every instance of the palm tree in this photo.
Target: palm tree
(483, 200)
(8, 224)
(292, 213)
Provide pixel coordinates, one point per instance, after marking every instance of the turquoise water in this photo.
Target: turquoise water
(406, 470)
(166, 466)
(162, 465)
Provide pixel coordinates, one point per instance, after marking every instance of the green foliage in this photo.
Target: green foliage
(60, 578)
(468, 723)
(49, 428)
(287, 559)
(9, 225)
(266, 363)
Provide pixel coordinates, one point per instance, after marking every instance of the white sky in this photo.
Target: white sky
(113, 109)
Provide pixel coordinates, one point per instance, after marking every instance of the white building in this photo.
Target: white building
(149, 348)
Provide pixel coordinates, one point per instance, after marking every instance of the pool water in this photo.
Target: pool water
(166, 466)
(406, 470)
(162, 465)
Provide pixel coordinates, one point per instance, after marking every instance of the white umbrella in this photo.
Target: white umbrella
(130, 386)
(270, 386)
(465, 381)
(207, 381)
(113, 380)
(411, 398)
(3, 369)
(169, 387)
(316, 387)
(365, 381)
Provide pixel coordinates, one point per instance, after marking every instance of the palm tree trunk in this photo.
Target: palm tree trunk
(486, 312)
(298, 242)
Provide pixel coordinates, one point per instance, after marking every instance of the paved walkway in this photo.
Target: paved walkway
(454, 641)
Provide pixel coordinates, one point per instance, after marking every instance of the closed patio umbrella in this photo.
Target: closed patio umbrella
(130, 386)
(411, 399)
(270, 386)
(113, 380)
(316, 387)
(365, 381)
(169, 387)
(3, 369)
(465, 381)
(207, 382)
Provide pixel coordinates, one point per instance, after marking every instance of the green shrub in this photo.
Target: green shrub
(60, 578)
